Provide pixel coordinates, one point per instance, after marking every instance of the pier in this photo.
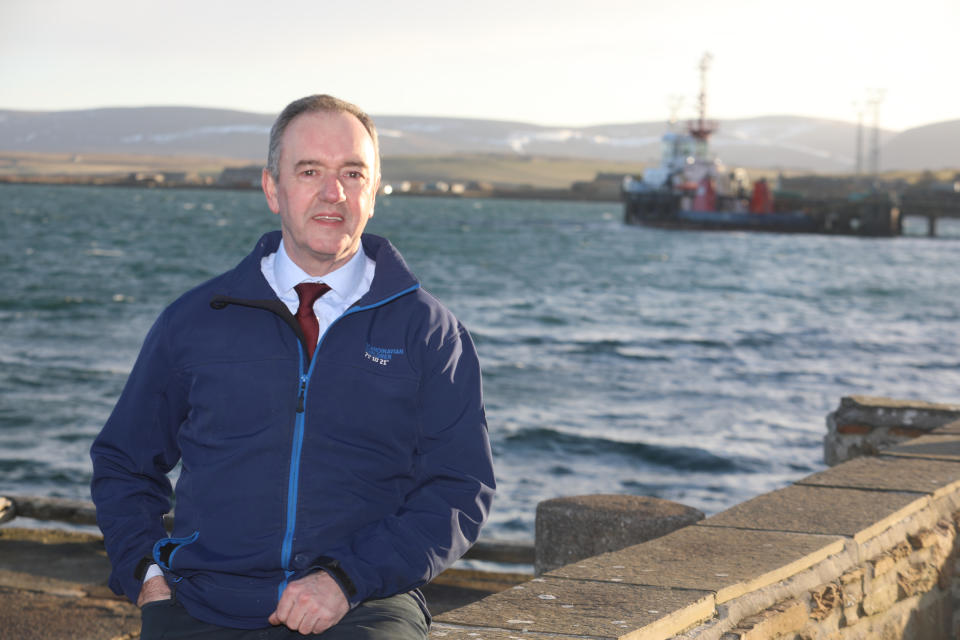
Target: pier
(932, 206)
(865, 549)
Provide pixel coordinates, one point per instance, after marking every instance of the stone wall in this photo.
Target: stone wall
(864, 550)
(864, 425)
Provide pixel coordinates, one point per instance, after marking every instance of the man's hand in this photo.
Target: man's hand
(152, 590)
(311, 604)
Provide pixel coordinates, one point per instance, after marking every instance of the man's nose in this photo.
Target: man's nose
(332, 190)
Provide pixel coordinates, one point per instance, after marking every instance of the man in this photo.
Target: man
(330, 465)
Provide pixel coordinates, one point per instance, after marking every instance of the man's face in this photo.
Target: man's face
(325, 189)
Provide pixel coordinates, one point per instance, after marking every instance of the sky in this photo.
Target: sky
(548, 62)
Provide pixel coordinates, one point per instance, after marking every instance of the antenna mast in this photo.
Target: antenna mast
(702, 128)
(859, 145)
(873, 100)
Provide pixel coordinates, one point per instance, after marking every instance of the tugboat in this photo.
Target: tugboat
(691, 189)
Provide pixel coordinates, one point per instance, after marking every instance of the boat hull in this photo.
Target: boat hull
(874, 216)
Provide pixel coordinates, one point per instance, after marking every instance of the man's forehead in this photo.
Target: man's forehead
(342, 120)
(310, 128)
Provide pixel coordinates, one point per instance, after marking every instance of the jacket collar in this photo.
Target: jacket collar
(391, 278)
(392, 275)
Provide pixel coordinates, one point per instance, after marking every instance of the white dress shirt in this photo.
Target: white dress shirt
(347, 284)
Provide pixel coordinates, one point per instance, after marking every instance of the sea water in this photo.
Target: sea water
(692, 366)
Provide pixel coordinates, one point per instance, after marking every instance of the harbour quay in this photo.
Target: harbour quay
(865, 549)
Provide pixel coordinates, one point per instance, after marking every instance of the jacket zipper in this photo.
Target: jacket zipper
(293, 481)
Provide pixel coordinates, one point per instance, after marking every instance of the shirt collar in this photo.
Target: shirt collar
(341, 281)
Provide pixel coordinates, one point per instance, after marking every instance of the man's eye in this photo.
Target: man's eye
(308, 172)
(356, 175)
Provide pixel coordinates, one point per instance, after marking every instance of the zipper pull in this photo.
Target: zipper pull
(301, 393)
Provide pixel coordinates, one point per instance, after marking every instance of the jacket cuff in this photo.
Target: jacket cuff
(140, 571)
(334, 570)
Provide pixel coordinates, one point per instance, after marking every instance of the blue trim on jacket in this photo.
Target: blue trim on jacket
(373, 464)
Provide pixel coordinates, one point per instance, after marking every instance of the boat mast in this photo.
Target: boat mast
(702, 128)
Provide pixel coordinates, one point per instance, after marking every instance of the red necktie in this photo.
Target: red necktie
(308, 293)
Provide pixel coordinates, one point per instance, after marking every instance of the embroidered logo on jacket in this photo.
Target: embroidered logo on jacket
(381, 355)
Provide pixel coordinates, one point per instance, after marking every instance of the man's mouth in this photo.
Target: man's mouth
(328, 218)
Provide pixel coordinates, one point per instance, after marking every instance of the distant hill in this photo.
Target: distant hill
(935, 146)
(144, 130)
(774, 142)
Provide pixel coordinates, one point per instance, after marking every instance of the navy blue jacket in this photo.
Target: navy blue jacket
(371, 461)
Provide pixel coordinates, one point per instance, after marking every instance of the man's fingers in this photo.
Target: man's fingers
(321, 625)
(311, 604)
(279, 616)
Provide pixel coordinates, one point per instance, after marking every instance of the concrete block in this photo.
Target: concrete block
(864, 425)
(730, 562)
(949, 428)
(934, 447)
(889, 412)
(572, 528)
(891, 473)
(822, 510)
(440, 631)
(583, 608)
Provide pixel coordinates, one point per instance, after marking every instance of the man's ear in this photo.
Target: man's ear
(269, 186)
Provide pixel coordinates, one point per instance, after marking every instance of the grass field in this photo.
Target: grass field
(501, 170)
(28, 164)
(498, 170)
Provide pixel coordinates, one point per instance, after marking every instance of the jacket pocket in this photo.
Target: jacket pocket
(166, 548)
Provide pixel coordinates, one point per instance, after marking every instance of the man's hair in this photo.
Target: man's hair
(320, 103)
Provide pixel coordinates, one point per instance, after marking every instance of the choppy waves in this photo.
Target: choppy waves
(540, 441)
(694, 367)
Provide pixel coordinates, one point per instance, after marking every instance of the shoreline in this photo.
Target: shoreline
(519, 193)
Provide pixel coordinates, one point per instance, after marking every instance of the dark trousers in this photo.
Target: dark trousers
(396, 618)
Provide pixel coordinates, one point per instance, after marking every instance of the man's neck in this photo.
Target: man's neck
(316, 267)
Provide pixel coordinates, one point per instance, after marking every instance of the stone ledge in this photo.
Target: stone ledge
(453, 632)
(934, 477)
(936, 446)
(951, 428)
(584, 608)
(853, 513)
(884, 403)
(729, 562)
(864, 425)
(808, 540)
